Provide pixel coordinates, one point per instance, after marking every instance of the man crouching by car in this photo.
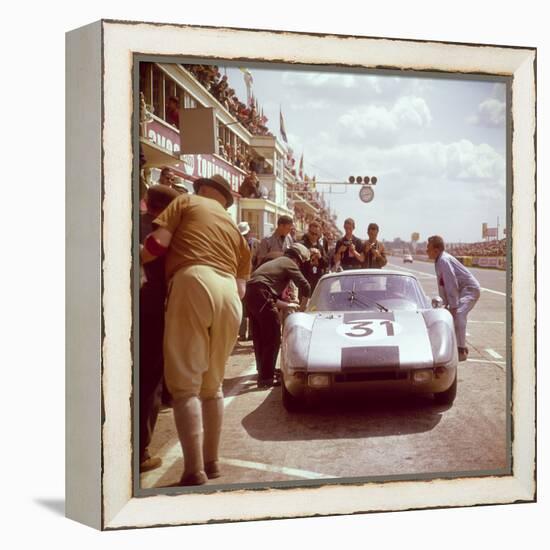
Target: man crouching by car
(262, 300)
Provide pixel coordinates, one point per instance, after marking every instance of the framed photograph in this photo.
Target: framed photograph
(336, 133)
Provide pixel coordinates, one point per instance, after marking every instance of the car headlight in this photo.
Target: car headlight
(422, 376)
(318, 380)
(297, 347)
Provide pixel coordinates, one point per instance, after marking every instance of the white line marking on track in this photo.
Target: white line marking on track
(433, 277)
(171, 451)
(487, 361)
(493, 353)
(275, 469)
(235, 390)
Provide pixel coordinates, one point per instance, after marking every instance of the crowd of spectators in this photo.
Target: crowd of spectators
(240, 155)
(210, 77)
(483, 248)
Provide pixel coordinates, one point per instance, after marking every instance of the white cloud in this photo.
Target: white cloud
(491, 113)
(429, 166)
(466, 161)
(412, 112)
(435, 163)
(379, 125)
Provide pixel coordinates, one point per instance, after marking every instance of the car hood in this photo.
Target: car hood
(344, 341)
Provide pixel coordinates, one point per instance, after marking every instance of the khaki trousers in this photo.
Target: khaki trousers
(203, 314)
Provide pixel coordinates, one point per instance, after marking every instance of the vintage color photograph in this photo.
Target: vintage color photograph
(323, 287)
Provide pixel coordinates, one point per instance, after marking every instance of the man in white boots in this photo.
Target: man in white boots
(207, 265)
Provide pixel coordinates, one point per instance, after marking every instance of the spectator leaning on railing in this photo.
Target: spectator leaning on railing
(250, 187)
(173, 111)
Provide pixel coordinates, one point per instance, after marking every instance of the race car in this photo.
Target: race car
(368, 329)
(407, 258)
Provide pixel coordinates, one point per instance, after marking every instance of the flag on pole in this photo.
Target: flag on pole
(248, 80)
(282, 130)
(301, 169)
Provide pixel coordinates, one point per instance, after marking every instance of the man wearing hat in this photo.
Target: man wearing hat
(207, 265)
(253, 244)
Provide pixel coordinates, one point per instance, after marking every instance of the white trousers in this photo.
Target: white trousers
(468, 299)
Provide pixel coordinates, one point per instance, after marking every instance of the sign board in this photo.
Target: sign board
(192, 166)
(483, 230)
(198, 133)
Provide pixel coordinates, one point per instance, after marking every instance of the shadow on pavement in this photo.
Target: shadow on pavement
(243, 349)
(354, 417)
(246, 384)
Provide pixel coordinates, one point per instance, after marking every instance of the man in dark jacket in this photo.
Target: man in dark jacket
(263, 291)
(373, 249)
(347, 253)
(152, 295)
(317, 266)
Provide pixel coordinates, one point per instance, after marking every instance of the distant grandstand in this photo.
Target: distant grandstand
(483, 248)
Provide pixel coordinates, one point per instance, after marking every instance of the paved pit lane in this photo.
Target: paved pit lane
(369, 436)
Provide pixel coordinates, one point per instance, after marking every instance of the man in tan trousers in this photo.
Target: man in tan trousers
(207, 265)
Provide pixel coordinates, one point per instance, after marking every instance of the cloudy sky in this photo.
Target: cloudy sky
(437, 146)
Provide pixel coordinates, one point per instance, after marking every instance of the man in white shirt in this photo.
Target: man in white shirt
(459, 289)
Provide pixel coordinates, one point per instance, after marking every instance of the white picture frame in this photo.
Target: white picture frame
(99, 259)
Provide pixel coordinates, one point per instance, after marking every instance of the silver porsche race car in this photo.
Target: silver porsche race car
(368, 329)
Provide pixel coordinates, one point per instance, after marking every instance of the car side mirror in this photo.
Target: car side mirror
(437, 302)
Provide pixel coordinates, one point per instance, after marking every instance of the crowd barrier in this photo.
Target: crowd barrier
(492, 262)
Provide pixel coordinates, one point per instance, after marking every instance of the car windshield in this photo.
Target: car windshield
(373, 292)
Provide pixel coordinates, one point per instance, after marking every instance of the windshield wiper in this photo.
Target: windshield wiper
(353, 298)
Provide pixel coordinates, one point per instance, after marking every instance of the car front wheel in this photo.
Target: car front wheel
(447, 397)
(291, 403)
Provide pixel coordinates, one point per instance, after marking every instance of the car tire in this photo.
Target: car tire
(291, 403)
(448, 396)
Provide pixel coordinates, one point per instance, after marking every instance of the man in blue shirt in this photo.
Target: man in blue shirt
(458, 288)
